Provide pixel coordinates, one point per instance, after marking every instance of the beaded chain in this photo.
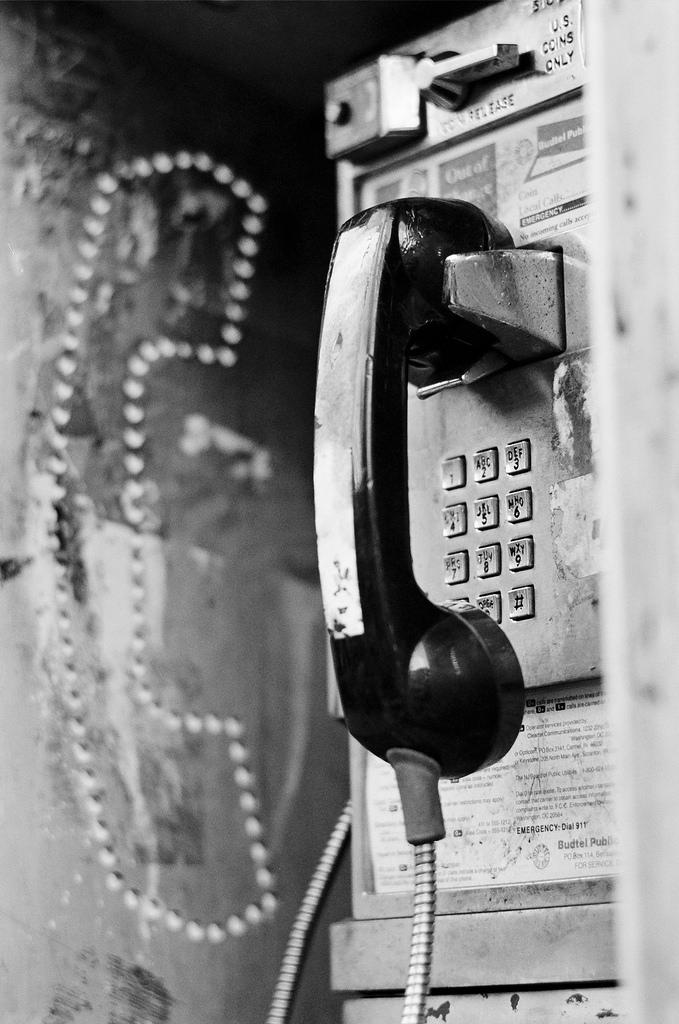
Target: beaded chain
(147, 353)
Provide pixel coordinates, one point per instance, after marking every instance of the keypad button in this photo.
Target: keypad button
(521, 601)
(488, 561)
(491, 604)
(456, 567)
(487, 512)
(517, 457)
(453, 473)
(520, 554)
(486, 465)
(454, 520)
(519, 505)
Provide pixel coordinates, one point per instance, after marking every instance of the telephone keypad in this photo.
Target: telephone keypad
(456, 567)
(493, 515)
(521, 603)
(519, 505)
(454, 473)
(487, 512)
(455, 520)
(517, 457)
(491, 604)
(488, 561)
(486, 465)
(520, 554)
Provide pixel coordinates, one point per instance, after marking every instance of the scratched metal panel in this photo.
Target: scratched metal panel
(550, 404)
(555, 946)
(581, 1006)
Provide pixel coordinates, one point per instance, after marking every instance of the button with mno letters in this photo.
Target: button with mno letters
(519, 505)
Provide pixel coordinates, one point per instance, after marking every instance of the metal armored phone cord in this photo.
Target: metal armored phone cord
(422, 935)
(288, 975)
(417, 776)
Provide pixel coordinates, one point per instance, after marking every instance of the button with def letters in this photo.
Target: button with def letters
(517, 457)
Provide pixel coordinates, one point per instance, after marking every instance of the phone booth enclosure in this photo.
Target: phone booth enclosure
(503, 514)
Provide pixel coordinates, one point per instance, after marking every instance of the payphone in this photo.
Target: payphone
(459, 533)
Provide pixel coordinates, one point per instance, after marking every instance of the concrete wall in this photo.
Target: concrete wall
(163, 693)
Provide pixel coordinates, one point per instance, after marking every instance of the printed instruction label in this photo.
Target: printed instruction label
(533, 175)
(543, 814)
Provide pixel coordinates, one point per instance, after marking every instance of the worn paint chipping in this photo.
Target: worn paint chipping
(575, 415)
(576, 529)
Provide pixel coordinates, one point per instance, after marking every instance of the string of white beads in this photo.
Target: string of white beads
(147, 353)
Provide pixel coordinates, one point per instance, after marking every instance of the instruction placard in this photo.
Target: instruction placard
(533, 175)
(543, 814)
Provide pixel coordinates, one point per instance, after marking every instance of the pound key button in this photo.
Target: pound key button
(521, 603)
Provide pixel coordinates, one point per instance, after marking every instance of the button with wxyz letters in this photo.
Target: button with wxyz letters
(520, 554)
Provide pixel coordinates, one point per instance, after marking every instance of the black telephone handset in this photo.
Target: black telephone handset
(443, 682)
